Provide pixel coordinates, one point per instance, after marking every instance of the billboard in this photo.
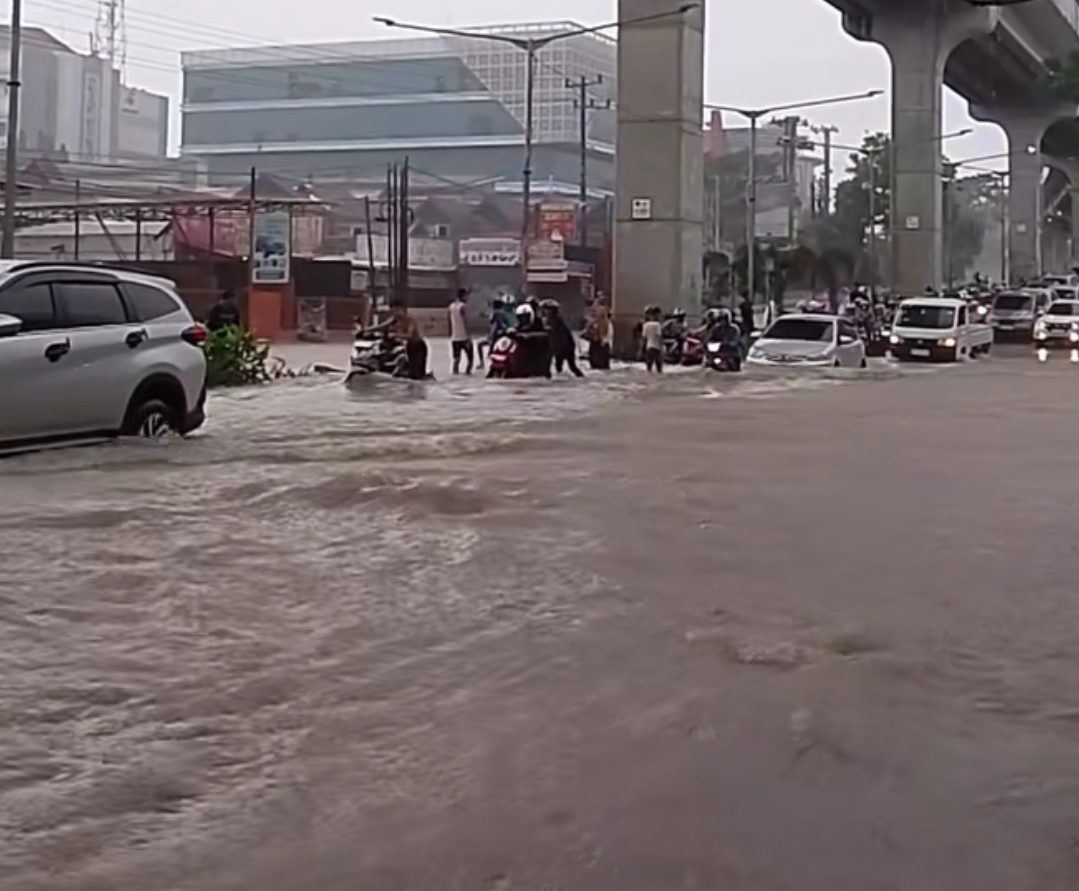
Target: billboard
(273, 243)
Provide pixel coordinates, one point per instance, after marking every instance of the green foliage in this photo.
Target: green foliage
(1061, 82)
(872, 167)
(235, 359)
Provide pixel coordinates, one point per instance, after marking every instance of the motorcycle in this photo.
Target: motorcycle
(510, 358)
(723, 356)
(371, 356)
(692, 350)
(500, 358)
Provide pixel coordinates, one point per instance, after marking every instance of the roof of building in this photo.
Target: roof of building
(32, 36)
(429, 45)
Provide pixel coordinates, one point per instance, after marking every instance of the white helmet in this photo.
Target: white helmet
(525, 313)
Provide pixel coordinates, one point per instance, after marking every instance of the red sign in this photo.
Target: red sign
(557, 221)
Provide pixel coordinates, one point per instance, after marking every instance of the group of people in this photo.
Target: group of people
(542, 331)
(662, 339)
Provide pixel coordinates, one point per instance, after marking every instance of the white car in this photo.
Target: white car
(808, 340)
(1059, 325)
(940, 329)
(89, 352)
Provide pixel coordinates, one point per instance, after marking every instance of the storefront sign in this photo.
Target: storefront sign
(557, 221)
(423, 253)
(489, 252)
(273, 242)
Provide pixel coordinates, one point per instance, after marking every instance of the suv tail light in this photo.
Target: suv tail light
(195, 335)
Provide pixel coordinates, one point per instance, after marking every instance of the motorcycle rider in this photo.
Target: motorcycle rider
(402, 328)
(563, 346)
(533, 343)
(674, 335)
(726, 333)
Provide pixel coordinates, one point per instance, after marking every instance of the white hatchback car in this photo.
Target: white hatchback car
(808, 340)
(90, 352)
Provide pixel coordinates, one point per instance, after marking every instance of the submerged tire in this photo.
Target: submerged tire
(152, 418)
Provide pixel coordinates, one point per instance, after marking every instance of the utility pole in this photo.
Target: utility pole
(790, 171)
(583, 103)
(11, 155)
(826, 199)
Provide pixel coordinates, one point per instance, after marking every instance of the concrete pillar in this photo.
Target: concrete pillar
(659, 200)
(919, 36)
(1024, 129)
(1070, 168)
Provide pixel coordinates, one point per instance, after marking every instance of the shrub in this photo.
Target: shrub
(235, 359)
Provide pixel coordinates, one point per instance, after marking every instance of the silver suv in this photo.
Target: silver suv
(90, 352)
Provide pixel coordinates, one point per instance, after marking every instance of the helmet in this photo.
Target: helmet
(679, 313)
(525, 313)
(551, 305)
(722, 315)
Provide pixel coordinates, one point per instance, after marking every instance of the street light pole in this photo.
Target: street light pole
(754, 115)
(531, 47)
(11, 153)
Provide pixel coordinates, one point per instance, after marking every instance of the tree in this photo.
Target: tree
(871, 166)
(966, 203)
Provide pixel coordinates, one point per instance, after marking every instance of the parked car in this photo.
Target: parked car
(90, 352)
(808, 340)
(938, 329)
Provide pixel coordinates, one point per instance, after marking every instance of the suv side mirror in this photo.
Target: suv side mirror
(9, 325)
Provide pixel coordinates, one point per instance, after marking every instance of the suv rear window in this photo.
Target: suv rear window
(91, 304)
(148, 302)
(32, 303)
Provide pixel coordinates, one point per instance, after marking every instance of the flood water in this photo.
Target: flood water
(331, 641)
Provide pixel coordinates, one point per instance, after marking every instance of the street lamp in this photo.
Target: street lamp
(753, 115)
(531, 47)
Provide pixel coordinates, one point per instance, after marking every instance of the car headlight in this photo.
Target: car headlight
(895, 340)
(948, 342)
(983, 310)
(1073, 336)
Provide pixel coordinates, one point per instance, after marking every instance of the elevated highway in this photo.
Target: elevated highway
(996, 57)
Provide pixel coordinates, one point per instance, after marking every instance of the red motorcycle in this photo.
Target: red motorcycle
(692, 350)
(500, 359)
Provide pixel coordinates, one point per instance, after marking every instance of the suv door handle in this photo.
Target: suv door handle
(136, 338)
(54, 352)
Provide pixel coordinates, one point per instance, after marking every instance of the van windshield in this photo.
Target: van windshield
(1013, 301)
(917, 315)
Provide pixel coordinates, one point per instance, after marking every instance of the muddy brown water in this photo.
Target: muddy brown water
(813, 633)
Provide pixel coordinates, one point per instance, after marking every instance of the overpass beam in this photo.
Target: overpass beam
(659, 193)
(1025, 129)
(919, 36)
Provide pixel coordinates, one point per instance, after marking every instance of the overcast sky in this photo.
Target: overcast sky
(759, 52)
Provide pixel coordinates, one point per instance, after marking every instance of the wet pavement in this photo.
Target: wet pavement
(815, 633)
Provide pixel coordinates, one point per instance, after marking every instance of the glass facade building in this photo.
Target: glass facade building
(454, 106)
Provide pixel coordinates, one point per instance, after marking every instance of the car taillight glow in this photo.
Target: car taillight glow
(195, 335)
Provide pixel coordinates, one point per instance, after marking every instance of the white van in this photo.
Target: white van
(938, 329)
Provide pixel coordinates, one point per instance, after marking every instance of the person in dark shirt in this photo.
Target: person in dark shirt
(225, 313)
(563, 346)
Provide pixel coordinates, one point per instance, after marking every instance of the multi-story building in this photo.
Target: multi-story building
(74, 105)
(455, 106)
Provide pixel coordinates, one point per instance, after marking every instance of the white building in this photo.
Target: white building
(75, 104)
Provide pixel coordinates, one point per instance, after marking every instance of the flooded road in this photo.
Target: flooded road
(703, 632)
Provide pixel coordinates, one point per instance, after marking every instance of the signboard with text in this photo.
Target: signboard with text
(489, 251)
(273, 242)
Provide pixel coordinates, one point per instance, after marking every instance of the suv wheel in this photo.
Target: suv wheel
(152, 419)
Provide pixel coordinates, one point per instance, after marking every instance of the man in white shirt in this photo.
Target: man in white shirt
(460, 341)
(652, 340)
